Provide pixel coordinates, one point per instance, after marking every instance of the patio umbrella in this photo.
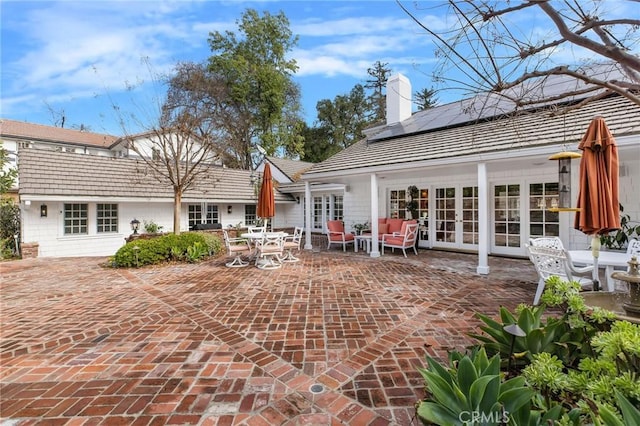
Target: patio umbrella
(266, 198)
(598, 194)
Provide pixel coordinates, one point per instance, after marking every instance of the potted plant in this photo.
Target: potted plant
(619, 239)
(412, 204)
(359, 227)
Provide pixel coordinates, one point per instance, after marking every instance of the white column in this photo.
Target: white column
(375, 246)
(307, 216)
(483, 220)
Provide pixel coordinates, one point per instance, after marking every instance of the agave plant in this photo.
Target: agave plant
(472, 391)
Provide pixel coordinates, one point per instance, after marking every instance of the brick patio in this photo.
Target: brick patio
(334, 339)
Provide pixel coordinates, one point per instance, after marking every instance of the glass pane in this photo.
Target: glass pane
(451, 192)
(535, 189)
(501, 228)
(451, 215)
(552, 230)
(514, 189)
(536, 215)
(450, 204)
(501, 190)
(514, 241)
(536, 230)
(501, 240)
(514, 215)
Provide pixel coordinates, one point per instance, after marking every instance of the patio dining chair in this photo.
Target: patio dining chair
(404, 239)
(555, 262)
(269, 251)
(292, 242)
(236, 247)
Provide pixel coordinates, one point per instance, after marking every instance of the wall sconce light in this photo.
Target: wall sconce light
(297, 200)
(43, 210)
(229, 209)
(564, 181)
(135, 225)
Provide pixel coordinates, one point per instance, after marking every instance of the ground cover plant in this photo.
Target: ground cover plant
(188, 246)
(578, 367)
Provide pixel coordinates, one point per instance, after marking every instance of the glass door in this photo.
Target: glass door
(456, 217)
(445, 220)
(423, 217)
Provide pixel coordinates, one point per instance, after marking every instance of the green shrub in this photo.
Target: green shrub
(150, 227)
(9, 227)
(567, 366)
(213, 242)
(142, 252)
(196, 252)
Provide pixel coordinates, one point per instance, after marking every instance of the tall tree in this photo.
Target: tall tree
(425, 98)
(377, 83)
(178, 148)
(8, 175)
(258, 75)
(317, 144)
(488, 51)
(344, 118)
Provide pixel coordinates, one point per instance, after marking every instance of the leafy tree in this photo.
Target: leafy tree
(485, 50)
(7, 175)
(179, 148)
(344, 118)
(377, 83)
(425, 99)
(317, 144)
(258, 77)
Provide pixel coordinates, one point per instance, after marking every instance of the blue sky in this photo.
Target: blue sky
(81, 56)
(78, 56)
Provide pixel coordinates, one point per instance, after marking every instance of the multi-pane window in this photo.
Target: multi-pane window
(75, 219)
(398, 204)
(107, 218)
(542, 222)
(507, 215)
(338, 207)
(250, 214)
(195, 215)
(212, 214)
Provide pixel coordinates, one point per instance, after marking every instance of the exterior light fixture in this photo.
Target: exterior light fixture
(135, 225)
(229, 209)
(564, 181)
(43, 210)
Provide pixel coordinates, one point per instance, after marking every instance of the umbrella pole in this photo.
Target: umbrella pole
(595, 251)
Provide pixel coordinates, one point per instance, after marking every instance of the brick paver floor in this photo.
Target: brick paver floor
(334, 339)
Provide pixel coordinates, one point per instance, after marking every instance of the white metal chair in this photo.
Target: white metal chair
(292, 242)
(550, 242)
(402, 240)
(270, 250)
(236, 247)
(554, 262)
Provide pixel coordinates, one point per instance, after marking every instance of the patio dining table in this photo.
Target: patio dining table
(606, 259)
(254, 237)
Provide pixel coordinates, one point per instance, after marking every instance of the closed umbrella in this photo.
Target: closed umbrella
(266, 198)
(598, 194)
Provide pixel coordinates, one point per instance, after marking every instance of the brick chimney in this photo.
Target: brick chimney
(398, 98)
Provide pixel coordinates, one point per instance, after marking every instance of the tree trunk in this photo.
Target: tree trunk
(177, 203)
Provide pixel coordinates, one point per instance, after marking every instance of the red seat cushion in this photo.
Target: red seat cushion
(396, 241)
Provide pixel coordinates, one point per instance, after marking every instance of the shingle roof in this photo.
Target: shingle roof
(52, 173)
(30, 131)
(511, 132)
(292, 168)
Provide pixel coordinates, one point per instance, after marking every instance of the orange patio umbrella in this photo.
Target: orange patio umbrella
(266, 198)
(598, 194)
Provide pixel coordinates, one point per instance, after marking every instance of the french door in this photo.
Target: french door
(456, 217)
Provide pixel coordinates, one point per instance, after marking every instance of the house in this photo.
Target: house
(485, 183)
(79, 191)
